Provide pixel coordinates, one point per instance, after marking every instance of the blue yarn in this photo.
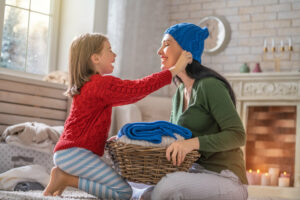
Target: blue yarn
(153, 131)
(190, 37)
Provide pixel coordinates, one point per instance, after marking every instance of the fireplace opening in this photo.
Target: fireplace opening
(271, 139)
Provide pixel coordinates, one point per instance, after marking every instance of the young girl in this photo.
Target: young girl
(77, 154)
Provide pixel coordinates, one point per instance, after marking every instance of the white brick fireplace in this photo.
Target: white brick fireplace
(279, 92)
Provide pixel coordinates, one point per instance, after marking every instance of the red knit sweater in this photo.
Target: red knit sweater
(90, 116)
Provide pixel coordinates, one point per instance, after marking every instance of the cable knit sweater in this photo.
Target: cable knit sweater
(89, 121)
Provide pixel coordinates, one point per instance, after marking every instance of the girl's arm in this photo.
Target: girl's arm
(121, 92)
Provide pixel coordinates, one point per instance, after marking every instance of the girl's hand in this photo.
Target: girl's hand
(184, 59)
(179, 149)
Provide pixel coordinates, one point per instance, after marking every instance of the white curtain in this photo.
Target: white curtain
(135, 29)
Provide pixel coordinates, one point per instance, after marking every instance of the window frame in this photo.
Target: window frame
(53, 40)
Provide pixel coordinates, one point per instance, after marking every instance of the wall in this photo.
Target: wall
(135, 29)
(78, 17)
(251, 22)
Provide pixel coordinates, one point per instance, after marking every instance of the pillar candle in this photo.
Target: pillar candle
(250, 177)
(274, 173)
(257, 177)
(284, 180)
(265, 179)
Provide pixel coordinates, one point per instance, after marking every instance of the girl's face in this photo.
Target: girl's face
(169, 52)
(104, 60)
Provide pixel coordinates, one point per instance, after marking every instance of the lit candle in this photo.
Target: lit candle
(284, 180)
(274, 173)
(265, 179)
(250, 177)
(257, 177)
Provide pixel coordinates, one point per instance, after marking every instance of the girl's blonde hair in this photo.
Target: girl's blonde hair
(80, 65)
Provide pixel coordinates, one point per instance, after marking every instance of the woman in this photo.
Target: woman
(204, 103)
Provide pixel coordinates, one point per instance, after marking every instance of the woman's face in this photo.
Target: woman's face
(104, 61)
(169, 52)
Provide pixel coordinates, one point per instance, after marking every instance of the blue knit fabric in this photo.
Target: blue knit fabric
(153, 131)
(190, 37)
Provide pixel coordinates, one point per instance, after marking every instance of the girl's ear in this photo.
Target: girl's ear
(95, 58)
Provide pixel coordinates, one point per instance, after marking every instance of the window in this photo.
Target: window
(28, 35)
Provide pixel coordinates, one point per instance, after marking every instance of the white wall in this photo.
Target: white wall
(100, 16)
(78, 17)
(135, 30)
(251, 23)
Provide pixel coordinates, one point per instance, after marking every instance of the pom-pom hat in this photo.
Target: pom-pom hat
(190, 37)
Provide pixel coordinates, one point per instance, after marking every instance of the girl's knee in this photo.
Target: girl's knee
(125, 193)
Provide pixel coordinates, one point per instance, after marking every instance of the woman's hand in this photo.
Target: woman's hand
(113, 138)
(184, 59)
(180, 148)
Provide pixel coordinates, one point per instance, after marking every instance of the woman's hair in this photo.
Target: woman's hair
(80, 65)
(197, 71)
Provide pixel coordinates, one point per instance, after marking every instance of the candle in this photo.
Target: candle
(257, 177)
(281, 45)
(290, 44)
(265, 46)
(265, 43)
(284, 174)
(274, 173)
(265, 179)
(273, 45)
(250, 177)
(284, 180)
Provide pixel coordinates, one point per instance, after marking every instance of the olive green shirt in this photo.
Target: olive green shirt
(212, 117)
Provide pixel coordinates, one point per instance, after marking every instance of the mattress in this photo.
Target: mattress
(13, 156)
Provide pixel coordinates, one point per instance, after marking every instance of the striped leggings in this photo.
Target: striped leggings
(95, 176)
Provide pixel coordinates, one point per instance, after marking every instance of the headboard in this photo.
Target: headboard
(29, 100)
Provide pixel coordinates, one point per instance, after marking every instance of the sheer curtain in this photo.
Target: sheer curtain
(135, 29)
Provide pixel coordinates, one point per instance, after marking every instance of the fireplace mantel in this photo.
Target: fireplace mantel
(270, 89)
(266, 86)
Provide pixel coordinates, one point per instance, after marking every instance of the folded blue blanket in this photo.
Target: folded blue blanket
(153, 131)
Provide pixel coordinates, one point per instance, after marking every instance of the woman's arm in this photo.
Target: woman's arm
(232, 134)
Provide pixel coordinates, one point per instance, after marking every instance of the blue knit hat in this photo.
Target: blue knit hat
(190, 37)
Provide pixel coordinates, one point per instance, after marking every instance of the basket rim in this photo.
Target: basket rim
(144, 148)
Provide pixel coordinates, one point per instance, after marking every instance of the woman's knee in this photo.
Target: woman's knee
(167, 187)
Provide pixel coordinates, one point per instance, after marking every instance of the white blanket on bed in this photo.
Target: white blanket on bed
(33, 135)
